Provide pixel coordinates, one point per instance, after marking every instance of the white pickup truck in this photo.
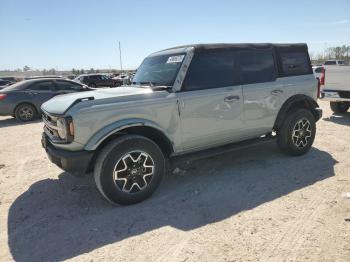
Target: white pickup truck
(337, 88)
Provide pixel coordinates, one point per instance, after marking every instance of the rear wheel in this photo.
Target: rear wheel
(297, 133)
(129, 169)
(25, 112)
(339, 107)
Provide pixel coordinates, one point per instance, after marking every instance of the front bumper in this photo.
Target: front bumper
(76, 162)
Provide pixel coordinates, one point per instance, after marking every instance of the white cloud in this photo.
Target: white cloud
(341, 22)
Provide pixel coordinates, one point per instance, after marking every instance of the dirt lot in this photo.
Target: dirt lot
(252, 205)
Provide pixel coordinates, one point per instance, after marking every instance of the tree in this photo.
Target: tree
(52, 71)
(91, 71)
(26, 68)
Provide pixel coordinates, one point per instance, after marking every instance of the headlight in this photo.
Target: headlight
(331, 94)
(62, 128)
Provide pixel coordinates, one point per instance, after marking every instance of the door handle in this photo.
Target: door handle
(276, 92)
(231, 98)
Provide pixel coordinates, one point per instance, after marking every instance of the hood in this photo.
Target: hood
(60, 104)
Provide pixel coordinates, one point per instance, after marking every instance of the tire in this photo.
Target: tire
(119, 158)
(25, 112)
(339, 107)
(93, 85)
(293, 142)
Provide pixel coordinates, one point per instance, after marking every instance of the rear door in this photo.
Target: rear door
(39, 92)
(263, 92)
(211, 101)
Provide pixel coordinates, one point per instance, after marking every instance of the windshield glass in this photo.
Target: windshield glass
(159, 70)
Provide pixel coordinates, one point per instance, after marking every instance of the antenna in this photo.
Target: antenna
(120, 58)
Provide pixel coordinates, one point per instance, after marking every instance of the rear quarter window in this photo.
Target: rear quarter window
(295, 63)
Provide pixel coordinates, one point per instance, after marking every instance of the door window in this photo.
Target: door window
(213, 69)
(41, 86)
(256, 67)
(67, 86)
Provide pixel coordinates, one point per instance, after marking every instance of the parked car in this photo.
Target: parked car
(184, 102)
(334, 62)
(12, 79)
(23, 99)
(5, 83)
(123, 79)
(337, 88)
(97, 80)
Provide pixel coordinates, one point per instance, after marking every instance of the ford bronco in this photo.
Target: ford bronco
(183, 101)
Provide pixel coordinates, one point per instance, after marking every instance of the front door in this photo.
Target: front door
(210, 101)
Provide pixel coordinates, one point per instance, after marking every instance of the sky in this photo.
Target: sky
(85, 34)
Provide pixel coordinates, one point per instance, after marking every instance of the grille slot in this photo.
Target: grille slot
(50, 127)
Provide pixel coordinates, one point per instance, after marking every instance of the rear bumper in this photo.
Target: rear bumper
(71, 162)
(335, 95)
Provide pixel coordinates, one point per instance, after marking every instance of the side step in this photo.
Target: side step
(207, 153)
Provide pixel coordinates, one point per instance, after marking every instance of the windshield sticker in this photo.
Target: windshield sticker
(175, 59)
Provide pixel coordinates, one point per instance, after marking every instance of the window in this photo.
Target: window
(256, 67)
(319, 70)
(67, 86)
(213, 69)
(104, 77)
(295, 63)
(41, 86)
(159, 70)
(95, 77)
(330, 62)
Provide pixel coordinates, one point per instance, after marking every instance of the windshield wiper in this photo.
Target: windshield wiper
(153, 86)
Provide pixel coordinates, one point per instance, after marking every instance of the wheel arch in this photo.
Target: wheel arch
(135, 127)
(296, 101)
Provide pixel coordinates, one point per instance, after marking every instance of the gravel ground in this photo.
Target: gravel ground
(251, 205)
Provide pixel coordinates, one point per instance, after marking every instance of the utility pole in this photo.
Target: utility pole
(120, 58)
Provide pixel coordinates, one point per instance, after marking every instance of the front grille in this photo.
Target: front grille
(50, 126)
(344, 94)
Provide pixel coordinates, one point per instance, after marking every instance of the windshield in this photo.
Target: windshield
(159, 70)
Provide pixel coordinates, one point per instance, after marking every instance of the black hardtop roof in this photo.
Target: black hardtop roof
(216, 46)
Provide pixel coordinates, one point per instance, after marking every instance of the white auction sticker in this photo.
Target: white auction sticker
(175, 59)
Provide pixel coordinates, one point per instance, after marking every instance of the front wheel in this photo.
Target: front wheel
(339, 107)
(297, 133)
(129, 169)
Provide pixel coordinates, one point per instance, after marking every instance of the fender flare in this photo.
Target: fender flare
(303, 101)
(118, 126)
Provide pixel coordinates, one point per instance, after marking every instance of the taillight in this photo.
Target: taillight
(2, 96)
(318, 88)
(323, 76)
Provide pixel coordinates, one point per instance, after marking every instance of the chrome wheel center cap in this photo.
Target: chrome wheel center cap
(134, 171)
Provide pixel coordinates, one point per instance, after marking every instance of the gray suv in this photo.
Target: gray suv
(184, 102)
